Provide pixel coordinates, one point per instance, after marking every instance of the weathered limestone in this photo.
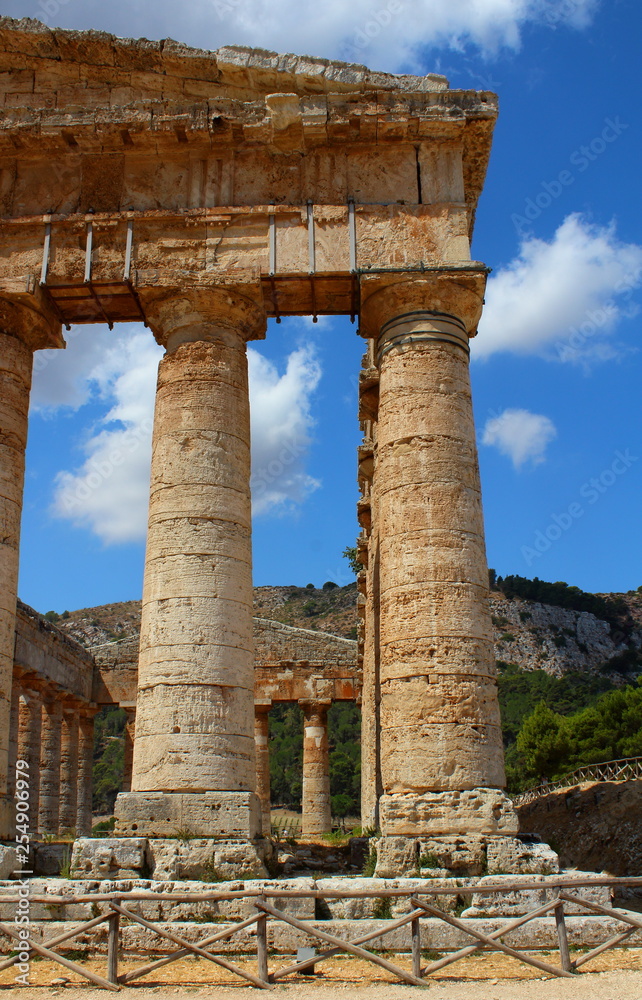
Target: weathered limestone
(195, 706)
(128, 761)
(316, 812)
(22, 329)
(68, 768)
(262, 744)
(85, 765)
(29, 735)
(441, 747)
(49, 811)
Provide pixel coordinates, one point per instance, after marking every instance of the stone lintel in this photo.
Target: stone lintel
(28, 316)
(233, 815)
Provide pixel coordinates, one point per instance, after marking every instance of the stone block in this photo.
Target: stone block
(49, 858)
(204, 814)
(9, 863)
(511, 854)
(110, 857)
(206, 858)
(521, 901)
(474, 811)
(460, 856)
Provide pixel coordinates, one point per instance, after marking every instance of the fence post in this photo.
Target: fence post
(261, 945)
(112, 946)
(565, 958)
(415, 932)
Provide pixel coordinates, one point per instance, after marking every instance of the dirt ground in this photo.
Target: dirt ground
(614, 975)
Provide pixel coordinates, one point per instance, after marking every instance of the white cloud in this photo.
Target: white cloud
(385, 34)
(520, 435)
(561, 299)
(108, 492)
(281, 425)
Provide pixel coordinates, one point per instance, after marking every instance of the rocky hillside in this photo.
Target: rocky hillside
(330, 610)
(533, 635)
(593, 826)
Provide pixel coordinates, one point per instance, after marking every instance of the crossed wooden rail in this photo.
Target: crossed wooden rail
(265, 979)
(625, 769)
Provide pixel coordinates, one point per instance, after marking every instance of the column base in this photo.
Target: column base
(476, 811)
(163, 859)
(465, 833)
(186, 815)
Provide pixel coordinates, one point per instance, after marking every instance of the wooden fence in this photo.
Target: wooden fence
(118, 911)
(626, 769)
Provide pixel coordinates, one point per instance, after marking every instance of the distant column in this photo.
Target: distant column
(29, 730)
(261, 740)
(49, 813)
(16, 693)
(316, 810)
(85, 768)
(130, 735)
(69, 768)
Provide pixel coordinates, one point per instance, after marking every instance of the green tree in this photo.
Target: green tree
(350, 553)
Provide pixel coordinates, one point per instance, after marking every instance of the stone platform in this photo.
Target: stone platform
(345, 918)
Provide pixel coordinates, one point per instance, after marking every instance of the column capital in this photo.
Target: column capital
(30, 319)
(456, 292)
(215, 314)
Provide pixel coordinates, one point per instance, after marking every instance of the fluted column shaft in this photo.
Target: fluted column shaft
(49, 812)
(29, 735)
(16, 361)
(262, 743)
(16, 693)
(441, 746)
(69, 769)
(128, 756)
(195, 702)
(85, 769)
(316, 810)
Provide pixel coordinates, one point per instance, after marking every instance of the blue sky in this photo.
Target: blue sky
(556, 368)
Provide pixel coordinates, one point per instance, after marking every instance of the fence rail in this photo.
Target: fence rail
(626, 769)
(265, 978)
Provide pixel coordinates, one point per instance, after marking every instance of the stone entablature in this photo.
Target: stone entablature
(52, 657)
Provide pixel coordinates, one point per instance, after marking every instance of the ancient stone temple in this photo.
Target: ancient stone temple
(203, 193)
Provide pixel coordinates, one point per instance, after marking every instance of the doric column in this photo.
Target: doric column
(315, 806)
(130, 735)
(261, 740)
(14, 724)
(29, 734)
(441, 744)
(194, 759)
(69, 768)
(49, 812)
(85, 769)
(22, 330)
